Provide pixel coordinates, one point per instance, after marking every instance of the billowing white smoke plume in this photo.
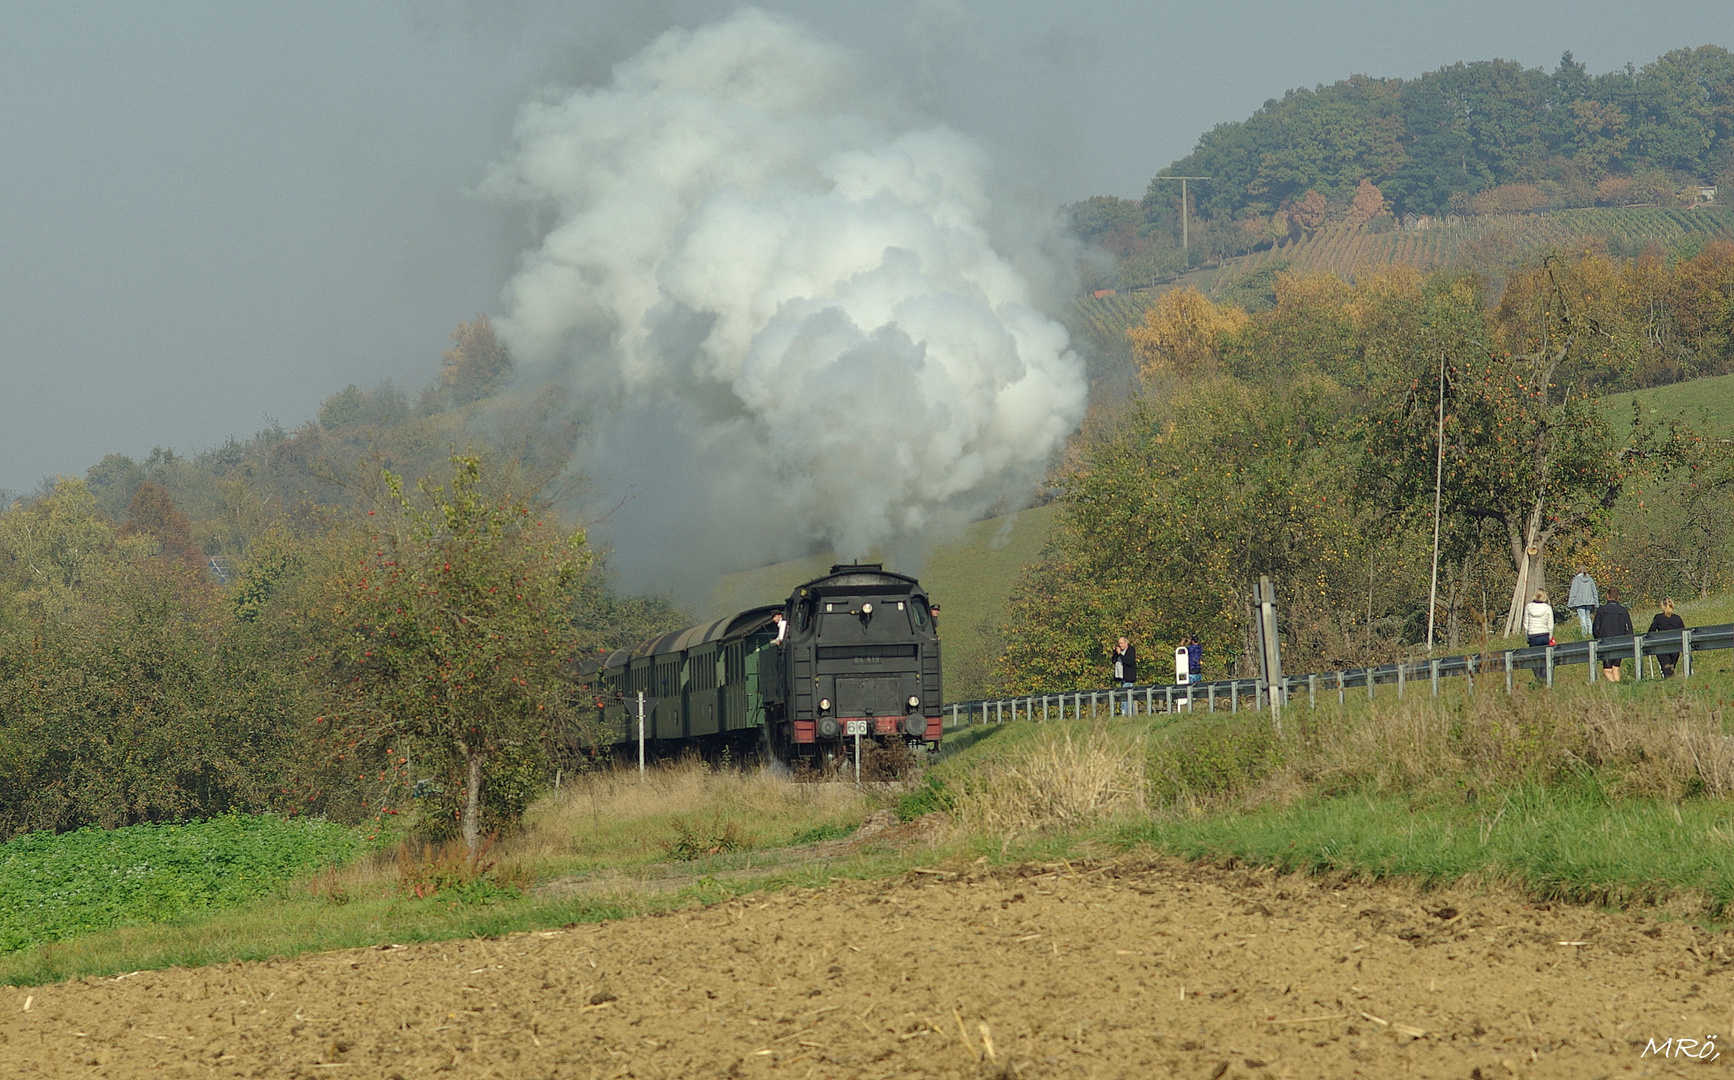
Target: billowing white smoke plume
(786, 314)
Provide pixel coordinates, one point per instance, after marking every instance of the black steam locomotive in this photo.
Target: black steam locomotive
(856, 654)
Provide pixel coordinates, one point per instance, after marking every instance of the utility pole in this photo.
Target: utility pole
(1270, 649)
(1438, 484)
(1185, 237)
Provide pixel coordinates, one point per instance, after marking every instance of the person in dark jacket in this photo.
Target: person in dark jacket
(1664, 621)
(1125, 660)
(1612, 620)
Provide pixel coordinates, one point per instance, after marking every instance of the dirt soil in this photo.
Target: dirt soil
(1130, 968)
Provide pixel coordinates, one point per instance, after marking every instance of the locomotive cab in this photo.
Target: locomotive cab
(863, 659)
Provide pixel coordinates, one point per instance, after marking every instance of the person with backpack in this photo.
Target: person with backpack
(1612, 620)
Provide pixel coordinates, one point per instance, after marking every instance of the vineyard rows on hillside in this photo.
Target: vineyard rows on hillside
(1348, 250)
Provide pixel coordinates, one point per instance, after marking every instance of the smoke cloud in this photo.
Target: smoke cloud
(792, 318)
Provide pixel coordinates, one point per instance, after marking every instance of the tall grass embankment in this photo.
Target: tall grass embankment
(1607, 794)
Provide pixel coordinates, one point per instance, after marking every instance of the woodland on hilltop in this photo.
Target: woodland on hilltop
(1489, 137)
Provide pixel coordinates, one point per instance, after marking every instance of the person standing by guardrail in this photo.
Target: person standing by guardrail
(1611, 620)
(1664, 621)
(1194, 658)
(1125, 671)
(1538, 619)
(1584, 600)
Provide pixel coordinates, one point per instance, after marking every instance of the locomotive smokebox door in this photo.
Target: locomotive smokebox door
(869, 695)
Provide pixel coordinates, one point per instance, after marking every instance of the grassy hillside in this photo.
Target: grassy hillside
(969, 578)
(1705, 404)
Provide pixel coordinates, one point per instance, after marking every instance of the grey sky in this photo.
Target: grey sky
(215, 213)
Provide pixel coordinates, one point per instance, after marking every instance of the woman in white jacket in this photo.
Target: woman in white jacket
(1538, 619)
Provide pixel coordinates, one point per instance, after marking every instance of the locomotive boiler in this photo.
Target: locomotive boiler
(857, 654)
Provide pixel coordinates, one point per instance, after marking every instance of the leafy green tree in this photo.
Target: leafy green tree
(1521, 452)
(1170, 513)
(454, 632)
(122, 699)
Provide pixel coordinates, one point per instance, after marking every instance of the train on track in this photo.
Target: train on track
(856, 655)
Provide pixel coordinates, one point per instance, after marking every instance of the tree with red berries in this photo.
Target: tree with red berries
(454, 632)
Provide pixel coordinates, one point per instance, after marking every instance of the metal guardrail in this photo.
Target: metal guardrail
(1235, 694)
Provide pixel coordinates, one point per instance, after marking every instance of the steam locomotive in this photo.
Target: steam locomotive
(857, 654)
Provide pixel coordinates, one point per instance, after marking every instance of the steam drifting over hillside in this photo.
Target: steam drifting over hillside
(789, 317)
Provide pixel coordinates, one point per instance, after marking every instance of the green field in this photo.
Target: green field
(55, 887)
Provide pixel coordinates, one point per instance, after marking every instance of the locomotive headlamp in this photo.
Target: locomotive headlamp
(914, 701)
(866, 609)
(829, 728)
(824, 704)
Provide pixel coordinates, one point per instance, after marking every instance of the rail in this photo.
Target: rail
(1236, 694)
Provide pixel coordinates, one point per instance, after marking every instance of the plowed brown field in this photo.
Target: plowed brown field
(1130, 968)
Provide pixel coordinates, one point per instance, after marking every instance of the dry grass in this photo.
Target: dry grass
(617, 816)
(1057, 781)
(1666, 746)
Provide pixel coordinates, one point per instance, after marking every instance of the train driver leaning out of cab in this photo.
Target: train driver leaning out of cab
(782, 627)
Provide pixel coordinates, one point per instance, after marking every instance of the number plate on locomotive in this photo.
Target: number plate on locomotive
(855, 727)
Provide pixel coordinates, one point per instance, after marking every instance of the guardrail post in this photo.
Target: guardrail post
(954, 714)
(1435, 674)
(1637, 658)
(1469, 665)
(1594, 674)
(1548, 660)
(1686, 654)
(1212, 696)
(1168, 698)
(1370, 682)
(1400, 666)
(1508, 671)
(1234, 696)
(1149, 701)
(1044, 708)
(1340, 699)
(1312, 692)
(1093, 704)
